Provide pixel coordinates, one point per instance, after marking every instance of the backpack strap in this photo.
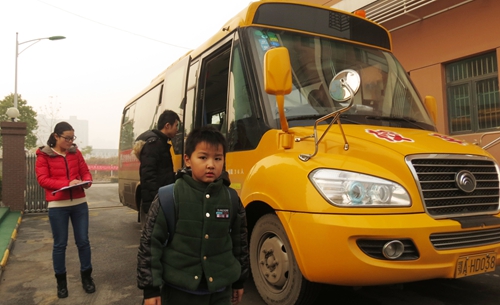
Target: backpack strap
(167, 203)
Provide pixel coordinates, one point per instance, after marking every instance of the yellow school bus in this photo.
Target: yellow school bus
(334, 154)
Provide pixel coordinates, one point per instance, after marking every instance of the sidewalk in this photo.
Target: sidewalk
(28, 278)
(9, 224)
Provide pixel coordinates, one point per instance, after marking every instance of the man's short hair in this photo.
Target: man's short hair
(168, 116)
(208, 134)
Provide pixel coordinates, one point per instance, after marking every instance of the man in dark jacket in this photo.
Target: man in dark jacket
(152, 148)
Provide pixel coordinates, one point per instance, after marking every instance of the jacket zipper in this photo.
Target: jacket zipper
(67, 176)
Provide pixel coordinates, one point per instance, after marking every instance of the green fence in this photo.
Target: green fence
(34, 194)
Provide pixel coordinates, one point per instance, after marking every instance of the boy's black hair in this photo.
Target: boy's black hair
(168, 116)
(208, 134)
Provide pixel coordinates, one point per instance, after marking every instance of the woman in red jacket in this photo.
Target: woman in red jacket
(63, 173)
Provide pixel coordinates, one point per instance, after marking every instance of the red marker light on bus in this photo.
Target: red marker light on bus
(360, 13)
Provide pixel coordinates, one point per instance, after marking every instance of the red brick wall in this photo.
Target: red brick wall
(14, 165)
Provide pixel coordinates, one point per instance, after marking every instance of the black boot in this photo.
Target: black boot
(87, 281)
(62, 286)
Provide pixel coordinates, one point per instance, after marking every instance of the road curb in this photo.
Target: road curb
(13, 237)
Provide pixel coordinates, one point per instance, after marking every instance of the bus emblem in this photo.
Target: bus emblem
(465, 181)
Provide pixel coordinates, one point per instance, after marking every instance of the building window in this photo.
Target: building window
(473, 98)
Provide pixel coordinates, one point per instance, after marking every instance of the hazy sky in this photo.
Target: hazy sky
(112, 50)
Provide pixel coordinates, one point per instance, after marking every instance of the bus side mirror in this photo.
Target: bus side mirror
(277, 71)
(430, 104)
(278, 79)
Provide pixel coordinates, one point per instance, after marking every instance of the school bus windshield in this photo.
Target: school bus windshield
(386, 96)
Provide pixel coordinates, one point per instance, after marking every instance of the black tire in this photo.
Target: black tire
(275, 272)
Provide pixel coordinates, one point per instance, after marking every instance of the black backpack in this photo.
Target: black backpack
(167, 203)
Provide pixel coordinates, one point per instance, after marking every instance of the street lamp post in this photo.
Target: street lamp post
(18, 53)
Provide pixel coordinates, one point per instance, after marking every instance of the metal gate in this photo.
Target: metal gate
(34, 193)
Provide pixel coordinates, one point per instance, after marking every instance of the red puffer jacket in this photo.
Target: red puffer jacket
(54, 171)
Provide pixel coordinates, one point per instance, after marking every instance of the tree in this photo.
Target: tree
(26, 114)
(47, 117)
(87, 150)
(127, 136)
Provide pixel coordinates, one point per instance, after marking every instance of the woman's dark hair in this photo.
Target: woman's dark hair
(58, 130)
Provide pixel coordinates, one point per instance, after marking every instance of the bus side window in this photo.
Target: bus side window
(174, 96)
(243, 125)
(212, 97)
(146, 110)
(127, 129)
(189, 107)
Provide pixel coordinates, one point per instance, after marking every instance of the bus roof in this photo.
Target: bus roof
(247, 17)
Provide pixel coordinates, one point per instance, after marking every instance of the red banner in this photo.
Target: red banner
(96, 167)
(128, 161)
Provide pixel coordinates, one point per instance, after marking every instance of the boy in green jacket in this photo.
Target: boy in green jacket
(206, 261)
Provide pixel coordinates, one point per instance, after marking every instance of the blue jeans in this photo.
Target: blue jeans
(59, 221)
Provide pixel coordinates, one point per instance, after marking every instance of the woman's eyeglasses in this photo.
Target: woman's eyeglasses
(68, 139)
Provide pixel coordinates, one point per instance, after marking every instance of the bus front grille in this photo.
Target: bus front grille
(456, 240)
(456, 185)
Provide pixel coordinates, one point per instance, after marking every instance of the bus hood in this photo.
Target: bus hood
(373, 139)
(283, 179)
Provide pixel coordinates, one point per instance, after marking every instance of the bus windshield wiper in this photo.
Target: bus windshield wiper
(396, 119)
(305, 117)
(346, 118)
(343, 117)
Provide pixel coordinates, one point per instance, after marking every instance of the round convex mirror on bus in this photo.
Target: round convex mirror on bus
(338, 90)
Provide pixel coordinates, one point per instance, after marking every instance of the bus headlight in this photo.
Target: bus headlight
(350, 189)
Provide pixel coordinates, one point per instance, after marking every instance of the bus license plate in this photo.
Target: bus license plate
(475, 264)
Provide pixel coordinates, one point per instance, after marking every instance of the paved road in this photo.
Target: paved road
(114, 235)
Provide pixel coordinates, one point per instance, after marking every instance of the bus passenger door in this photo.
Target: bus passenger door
(174, 98)
(211, 99)
(224, 100)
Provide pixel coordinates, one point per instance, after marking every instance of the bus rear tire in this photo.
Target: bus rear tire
(275, 272)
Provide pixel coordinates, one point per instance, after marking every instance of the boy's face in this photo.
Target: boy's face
(206, 162)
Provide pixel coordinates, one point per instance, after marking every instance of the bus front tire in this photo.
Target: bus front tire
(276, 274)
